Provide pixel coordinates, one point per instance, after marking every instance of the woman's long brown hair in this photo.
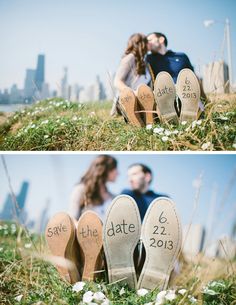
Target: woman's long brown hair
(137, 45)
(95, 178)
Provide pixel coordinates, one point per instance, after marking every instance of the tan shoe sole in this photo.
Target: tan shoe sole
(162, 237)
(60, 237)
(121, 233)
(164, 93)
(146, 100)
(89, 236)
(129, 105)
(188, 90)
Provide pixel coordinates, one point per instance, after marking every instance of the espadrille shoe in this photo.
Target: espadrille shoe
(162, 237)
(121, 233)
(89, 236)
(164, 93)
(146, 100)
(60, 237)
(129, 104)
(188, 91)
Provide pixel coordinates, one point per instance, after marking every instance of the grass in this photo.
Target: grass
(57, 124)
(27, 278)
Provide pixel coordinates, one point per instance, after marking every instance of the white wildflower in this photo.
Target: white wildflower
(27, 246)
(182, 291)
(158, 130)
(141, 292)
(122, 291)
(33, 126)
(175, 131)
(192, 299)
(149, 126)
(160, 297)
(199, 122)
(99, 296)
(19, 297)
(62, 124)
(170, 296)
(92, 113)
(206, 145)
(194, 123)
(1, 249)
(88, 297)
(164, 139)
(78, 286)
(167, 132)
(74, 118)
(184, 123)
(46, 136)
(209, 291)
(45, 122)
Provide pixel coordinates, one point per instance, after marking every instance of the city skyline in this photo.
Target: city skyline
(91, 40)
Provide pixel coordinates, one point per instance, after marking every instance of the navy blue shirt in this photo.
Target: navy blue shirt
(143, 200)
(171, 62)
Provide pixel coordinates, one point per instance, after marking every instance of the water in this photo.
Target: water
(11, 107)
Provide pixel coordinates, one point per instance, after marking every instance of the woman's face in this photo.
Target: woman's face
(112, 175)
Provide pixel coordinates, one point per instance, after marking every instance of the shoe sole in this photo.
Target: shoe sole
(162, 237)
(129, 104)
(165, 93)
(89, 236)
(121, 233)
(188, 90)
(146, 100)
(60, 237)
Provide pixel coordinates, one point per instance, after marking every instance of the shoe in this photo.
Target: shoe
(60, 237)
(129, 104)
(121, 233)
(89, 236)
(188, 90)
(164, 93)
(146, 101)
(162, 237)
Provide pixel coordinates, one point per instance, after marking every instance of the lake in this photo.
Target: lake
(11, 107)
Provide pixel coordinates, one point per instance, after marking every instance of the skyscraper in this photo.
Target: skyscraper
(29, 84)
(39, 74)
(9, 210)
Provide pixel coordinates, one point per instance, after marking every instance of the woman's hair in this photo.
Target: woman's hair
(95, 178)
(137, 45)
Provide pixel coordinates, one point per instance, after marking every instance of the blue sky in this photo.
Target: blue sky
(52, 176)
(89, 36)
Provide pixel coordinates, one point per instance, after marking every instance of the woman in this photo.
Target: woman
(91, 193)
(132, 73)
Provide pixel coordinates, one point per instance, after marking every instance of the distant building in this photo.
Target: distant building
(39, 73)
(216, 77)
(64, 85)
(29, 86)
(193, 237)
(10, 210)
(45, 92)
(93, 93)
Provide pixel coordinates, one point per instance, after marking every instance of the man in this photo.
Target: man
(162, 59)
(140, 178)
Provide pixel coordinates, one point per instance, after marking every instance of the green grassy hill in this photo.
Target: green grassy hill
(56, 124)
(27, 277)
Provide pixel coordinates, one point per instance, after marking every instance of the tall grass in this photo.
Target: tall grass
(57, 124)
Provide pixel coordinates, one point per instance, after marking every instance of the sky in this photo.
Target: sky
(89, 37)
(53, 176)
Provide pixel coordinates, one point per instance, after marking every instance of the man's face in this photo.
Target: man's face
(139, 181)
(154, 43)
